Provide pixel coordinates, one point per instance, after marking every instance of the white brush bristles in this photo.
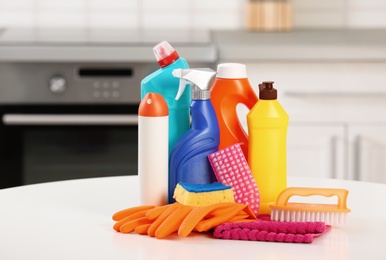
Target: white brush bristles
(329, 218)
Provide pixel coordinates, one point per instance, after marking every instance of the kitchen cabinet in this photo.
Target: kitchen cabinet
(367, 152)
(344, 151)
(316, 150)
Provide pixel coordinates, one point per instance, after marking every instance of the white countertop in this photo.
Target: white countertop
(72, 220)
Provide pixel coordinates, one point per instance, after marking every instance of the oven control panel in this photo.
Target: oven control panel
(101, 89)
(61, 83)
(106, 89)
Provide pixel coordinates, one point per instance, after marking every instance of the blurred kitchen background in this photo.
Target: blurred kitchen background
(187, 14)
(70, 73)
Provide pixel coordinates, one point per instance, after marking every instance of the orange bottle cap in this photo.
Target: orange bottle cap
(153, 105)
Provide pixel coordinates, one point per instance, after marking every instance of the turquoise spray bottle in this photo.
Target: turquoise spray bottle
(163, 82)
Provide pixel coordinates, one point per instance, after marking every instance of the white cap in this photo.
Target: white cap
(231, 71)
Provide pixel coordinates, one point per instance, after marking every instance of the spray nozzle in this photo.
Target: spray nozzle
(201, 79)
(181, 88)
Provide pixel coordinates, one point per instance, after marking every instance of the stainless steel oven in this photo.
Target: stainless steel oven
(68, 121)
(69, 100)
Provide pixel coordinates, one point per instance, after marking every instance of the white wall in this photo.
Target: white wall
(340, 13)
(189, 14)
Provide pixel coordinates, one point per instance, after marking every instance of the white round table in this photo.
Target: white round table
(72, 220)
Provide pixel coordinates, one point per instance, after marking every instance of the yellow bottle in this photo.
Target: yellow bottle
(267, 127)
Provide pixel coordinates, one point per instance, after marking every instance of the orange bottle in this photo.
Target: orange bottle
(230, 88)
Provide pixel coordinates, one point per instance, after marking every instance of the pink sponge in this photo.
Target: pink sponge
(232, 169)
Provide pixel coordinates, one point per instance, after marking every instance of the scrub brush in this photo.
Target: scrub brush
(306, 212)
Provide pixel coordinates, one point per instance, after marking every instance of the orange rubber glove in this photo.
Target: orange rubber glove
(162, 221)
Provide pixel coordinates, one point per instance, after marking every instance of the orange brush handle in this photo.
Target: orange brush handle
(285, 195)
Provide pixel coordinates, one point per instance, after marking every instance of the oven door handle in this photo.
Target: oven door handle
(64, 119)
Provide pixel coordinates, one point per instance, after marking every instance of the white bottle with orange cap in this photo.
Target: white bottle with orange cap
(153, 154)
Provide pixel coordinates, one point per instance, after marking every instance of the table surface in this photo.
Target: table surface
(72, 220)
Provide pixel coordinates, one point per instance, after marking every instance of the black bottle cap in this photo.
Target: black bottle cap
(267, 92)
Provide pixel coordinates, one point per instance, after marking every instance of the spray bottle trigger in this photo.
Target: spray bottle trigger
(181, 88)
(183, 82)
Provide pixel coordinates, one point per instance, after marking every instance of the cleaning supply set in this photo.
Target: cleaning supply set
(212, 174)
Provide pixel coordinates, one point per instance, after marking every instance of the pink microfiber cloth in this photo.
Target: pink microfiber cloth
(232, 169)
(272, 231)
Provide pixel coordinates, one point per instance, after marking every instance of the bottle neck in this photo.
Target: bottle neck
(203, 115)
(201, 94)
(168, 60)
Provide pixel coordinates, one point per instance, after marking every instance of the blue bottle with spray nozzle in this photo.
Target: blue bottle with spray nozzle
(189, 159)
(162, 82)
